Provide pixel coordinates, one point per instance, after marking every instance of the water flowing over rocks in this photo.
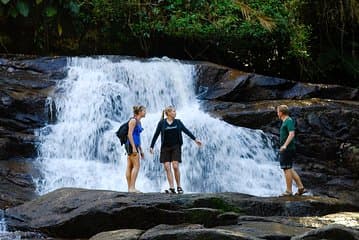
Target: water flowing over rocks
(327, 117)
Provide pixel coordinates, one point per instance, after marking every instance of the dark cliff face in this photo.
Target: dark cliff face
(25, 85)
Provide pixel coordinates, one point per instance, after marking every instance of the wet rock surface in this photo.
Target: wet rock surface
(74, 213)
(330, 232)
(25, 86)
(16, 181)
(123, 234)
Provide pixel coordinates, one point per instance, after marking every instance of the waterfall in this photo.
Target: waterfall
(80, 149)
(3, 227)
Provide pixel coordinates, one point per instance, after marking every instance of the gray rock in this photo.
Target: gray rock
(348, 219)
(75, 213)
(192, 232)
(330, 232)
(266, 229)
(123, 234)
(16, 183)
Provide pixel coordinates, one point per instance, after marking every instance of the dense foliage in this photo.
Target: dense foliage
(302, 40)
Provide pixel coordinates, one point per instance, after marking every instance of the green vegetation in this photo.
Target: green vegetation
(298, 39)
(216, 203)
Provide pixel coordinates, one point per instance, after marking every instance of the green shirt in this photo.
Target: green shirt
(288, 125)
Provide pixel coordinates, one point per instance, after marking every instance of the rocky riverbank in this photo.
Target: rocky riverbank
(80, 213)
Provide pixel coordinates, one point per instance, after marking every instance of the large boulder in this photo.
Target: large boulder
(192, 232)
(266, 229)
(330, 232)
(275, 227)
(215, 82)
(83, 213)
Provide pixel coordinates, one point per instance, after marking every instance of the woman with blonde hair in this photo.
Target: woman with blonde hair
(133, 147)
(171, 141)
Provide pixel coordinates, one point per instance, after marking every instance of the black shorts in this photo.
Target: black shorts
(128, 148)
(286, 159)
(170, 154)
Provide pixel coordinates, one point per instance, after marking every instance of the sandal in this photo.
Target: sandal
(179, 190)
(301, 191)
(170, 191)
(286, 194)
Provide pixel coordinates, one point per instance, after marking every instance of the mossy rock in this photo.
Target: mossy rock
(216, 203)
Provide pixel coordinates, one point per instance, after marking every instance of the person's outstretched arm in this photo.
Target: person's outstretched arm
(155, 136)
(189, 133)
(186, 131)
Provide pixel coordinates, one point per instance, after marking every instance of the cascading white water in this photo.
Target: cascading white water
(81, 149)
(2, 222)
(4, 234)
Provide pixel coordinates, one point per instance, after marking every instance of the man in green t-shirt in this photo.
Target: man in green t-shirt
(287, 151)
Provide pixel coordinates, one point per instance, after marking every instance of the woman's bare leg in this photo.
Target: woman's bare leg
(177, 173)
(167, 166)
(128, 172)
(135, 161)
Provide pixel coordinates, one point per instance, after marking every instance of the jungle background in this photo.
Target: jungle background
(310, 41)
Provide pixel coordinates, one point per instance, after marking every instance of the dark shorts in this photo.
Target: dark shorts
(169, 154)
(128, 148)
(286, 159)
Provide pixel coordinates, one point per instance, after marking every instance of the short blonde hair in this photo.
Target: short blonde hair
(138, 108)
(283, 109)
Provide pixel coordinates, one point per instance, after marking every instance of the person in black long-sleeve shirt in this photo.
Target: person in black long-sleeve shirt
(171, 130)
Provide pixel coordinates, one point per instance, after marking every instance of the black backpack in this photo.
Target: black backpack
(122, 133)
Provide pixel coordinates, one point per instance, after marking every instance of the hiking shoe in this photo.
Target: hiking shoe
(301, 191)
